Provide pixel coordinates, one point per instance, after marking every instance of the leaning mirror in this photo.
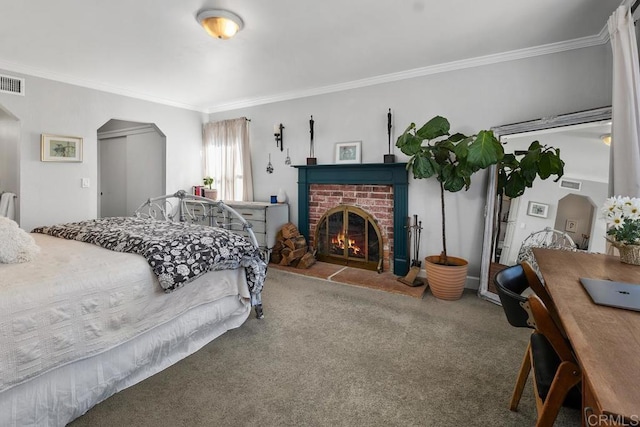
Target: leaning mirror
(568, 207)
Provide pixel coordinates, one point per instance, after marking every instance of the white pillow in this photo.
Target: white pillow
(16, 245)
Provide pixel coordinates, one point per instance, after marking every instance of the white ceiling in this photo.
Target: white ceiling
(155, 50)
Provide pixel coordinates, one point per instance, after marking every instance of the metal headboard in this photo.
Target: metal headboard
(182, 206)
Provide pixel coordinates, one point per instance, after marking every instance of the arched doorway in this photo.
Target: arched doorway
(131, 166)
(576, 217)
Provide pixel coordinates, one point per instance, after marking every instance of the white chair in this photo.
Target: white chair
(547, 238)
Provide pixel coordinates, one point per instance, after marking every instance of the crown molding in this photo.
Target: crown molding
(583, 42)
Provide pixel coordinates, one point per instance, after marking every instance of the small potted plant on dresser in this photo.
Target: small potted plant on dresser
(210, 193)
(453, 159)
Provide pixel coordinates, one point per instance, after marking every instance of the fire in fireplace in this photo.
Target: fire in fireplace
(348, 235)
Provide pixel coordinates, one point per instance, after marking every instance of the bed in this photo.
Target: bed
(81, 322)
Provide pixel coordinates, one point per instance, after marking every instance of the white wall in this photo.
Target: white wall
(471, 99)
(50, 192)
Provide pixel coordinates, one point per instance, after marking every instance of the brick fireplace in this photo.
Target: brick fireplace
(378, 189)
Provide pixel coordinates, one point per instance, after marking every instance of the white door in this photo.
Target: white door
(113, 177)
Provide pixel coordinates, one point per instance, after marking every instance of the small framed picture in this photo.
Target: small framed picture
(56, 148)
(571, 225)
(349, 152)
(538, 209)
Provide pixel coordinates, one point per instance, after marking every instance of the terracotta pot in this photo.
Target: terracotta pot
(211, 193)
(446, 281)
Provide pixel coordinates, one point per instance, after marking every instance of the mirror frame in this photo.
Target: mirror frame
(580, 117)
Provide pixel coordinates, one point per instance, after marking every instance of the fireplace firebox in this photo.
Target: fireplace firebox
(347, 235)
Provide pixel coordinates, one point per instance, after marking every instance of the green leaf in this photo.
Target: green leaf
(535, 145)
(422, 167)
(461, 147)
(442, 153)
(457, 137)
(435, 165)
(409, 144)
(434, 128)
(454, 183)
(544, 165)
(509, 161)
(485, 150)
(530, 160)
(446, 172)
(514, 185)
(558, 165)
(454, 178)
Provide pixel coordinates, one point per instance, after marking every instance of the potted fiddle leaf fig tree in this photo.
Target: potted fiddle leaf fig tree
(452, 159)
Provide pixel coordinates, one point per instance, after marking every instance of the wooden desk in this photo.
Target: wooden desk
(606, 340)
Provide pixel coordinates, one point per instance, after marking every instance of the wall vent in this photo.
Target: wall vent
(12, 85)
(570, 184)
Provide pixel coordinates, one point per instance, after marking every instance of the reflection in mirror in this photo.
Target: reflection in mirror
(569, 206)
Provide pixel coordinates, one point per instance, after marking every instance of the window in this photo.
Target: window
(227, 158)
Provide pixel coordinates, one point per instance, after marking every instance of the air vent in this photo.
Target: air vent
(12, 85)
(570, 184)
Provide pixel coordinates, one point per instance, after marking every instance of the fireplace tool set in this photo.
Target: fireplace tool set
(415, 230)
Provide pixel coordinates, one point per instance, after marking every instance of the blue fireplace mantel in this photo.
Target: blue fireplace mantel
(394, 174)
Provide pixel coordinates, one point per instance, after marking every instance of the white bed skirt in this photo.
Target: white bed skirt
(57, 397)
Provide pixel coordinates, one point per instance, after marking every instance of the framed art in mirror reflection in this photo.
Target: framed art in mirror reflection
(538, 209)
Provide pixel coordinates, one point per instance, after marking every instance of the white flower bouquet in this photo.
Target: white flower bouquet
(623, 216)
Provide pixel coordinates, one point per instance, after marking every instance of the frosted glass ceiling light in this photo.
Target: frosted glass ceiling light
(219, 23)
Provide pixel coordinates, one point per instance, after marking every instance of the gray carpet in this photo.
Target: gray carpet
(329, 354)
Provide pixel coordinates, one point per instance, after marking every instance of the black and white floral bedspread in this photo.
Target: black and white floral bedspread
(177, 252)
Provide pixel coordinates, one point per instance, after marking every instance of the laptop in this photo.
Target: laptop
(613, 294)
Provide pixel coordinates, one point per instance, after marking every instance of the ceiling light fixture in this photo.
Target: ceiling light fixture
(606, 138)
(219, 23)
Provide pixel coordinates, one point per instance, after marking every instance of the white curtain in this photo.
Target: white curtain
(227, 158)
(624, 168)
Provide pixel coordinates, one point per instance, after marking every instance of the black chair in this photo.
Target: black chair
(511, 283)
(556, 372)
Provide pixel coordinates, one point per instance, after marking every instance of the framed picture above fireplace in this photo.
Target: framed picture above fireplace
(349, 152)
